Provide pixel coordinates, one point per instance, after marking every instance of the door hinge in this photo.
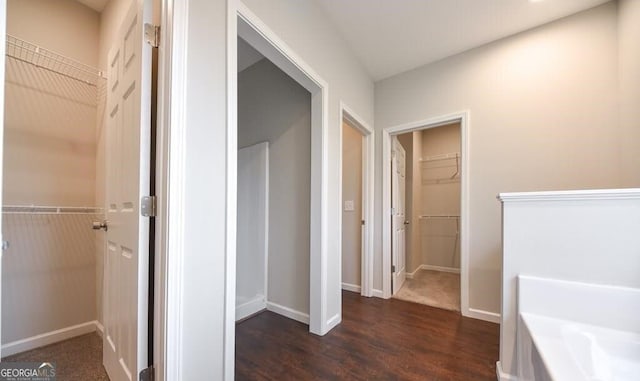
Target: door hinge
(393, 268)
(147, 374)
(5, 245)
(148, 206)
(393, 211)
(362, 222)
(152, 35)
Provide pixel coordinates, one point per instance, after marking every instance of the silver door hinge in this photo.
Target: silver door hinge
(152, 35)
(393, 211)
(148, 206)
(147, 374)
(5, 245)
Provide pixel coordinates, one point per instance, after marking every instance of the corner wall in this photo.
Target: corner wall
(629, 66)
(543, 115)
(275, 108)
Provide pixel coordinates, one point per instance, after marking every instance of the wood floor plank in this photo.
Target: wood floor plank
(377, 340)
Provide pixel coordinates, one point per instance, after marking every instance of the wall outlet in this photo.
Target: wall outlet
(348, 206)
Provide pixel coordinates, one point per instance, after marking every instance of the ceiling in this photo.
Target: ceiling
(97, 5)
(393, 36)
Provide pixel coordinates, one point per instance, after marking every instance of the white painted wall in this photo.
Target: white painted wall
(543, 115)
(440, 244)
(49, 273)
(351, 219)
(629, 66)
(304, 27)
(50, 143)
(202, 124)
(273, 107)
(584, 236)
(253, 214)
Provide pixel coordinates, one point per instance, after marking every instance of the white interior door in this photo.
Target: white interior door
(128, 164)
(398, 186)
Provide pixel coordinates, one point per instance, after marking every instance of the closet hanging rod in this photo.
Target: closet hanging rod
(444, 156)
(40, 57)
(36, 209)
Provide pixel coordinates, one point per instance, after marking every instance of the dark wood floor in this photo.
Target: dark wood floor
(377, 340)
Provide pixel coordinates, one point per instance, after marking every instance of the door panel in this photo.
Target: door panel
(398, 236)
(128, 164)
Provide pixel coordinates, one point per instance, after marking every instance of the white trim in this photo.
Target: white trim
(464, 119)
(231, 183)
(377, 293)
(47, 338)
(250, 307)
(443, 269)
(264, 40)
(171, 183)
(288, 312)
(433, 268)
(335, 320)
(351, 287)
(368, 193)
(573, 195)
(99, 328)
(492, 317)
(502, 375)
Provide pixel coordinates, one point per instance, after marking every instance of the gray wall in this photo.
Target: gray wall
(543, 116)
(273, 107)
(351, 190)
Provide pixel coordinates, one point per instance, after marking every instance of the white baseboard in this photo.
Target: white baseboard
(249, 308)
(99, 328)
(48, 338)
(335, 320)
(482, 315)
(351, 287)
(441, 268)
(377, 293)
(288, 312)
(434, 268)
(502, 376)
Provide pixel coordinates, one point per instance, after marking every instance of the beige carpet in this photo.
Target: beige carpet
(433, 288)
(76, 359)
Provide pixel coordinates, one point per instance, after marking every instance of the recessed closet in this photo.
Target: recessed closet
(59, 73)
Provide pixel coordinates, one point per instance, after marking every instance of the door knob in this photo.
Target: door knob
(100, 225)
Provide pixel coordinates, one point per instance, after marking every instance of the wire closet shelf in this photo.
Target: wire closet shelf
(46, 59)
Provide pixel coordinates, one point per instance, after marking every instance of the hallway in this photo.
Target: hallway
(377, 340)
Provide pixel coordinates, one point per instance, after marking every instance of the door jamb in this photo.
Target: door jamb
(463, 118)
(368, 169)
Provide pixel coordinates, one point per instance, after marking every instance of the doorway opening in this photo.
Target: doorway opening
(77, 279)
(274, 190)
(302, 93)
(426, 222)
(357, 203)
(425, 184)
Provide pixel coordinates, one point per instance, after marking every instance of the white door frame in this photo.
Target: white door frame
(265, 41)
(368, 170)
(463, 118)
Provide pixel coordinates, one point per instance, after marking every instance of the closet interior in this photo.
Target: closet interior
(274, 188)
(433, 171)
(54, 181)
